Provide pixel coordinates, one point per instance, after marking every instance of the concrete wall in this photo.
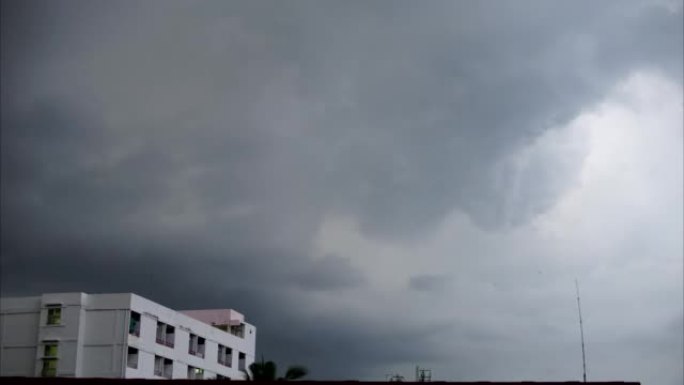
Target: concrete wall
(104, 345)
(90, 336)
(19, 321)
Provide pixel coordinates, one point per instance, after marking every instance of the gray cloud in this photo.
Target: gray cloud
(206, 143)
(330, 272)
(429, 282)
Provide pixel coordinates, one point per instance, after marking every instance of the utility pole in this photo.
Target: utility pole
(579, 312)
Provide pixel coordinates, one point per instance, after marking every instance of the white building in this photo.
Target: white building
(122, 336)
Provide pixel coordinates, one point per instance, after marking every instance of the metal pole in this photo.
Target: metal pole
(579, 311)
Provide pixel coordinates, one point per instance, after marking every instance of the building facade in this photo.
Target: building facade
(120, 336)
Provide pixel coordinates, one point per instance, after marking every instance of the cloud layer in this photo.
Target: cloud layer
(376, 185)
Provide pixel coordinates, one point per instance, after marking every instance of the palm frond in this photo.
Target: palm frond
(295, 372)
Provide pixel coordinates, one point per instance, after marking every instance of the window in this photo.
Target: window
(241, 361)
(225, 356)
(192, 344)
(134, 325)
(170, 336)
(50, 350)
(132, 361)
(163, 367)
(220, 377)
(49, 367)
(166, 334)
(201, 344)
(196, 345)
(158, 366)
(54, 314)
(168, 368)
(50, 353)
(161, 330)
(195, 373)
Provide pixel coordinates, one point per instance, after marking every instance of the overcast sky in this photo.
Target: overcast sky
(374, 184)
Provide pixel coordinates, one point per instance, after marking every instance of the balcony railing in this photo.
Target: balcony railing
(196, 353)
(225, 362)
(158, 372)
(134, 332)
(164, 342)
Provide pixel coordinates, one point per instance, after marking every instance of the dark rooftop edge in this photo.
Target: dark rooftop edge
(134, 381)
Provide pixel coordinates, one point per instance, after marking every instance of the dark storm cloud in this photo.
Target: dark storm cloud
(204, 142)
(330, 272)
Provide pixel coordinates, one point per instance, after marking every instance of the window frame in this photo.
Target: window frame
(158, 369)
(45, 370)
(162, 334)
(46, 347)
(134, 329)
(170, 342)
(195, 373)
(194, 347)
(167, 363)
(225, 356)
(51, 319)
(137, 357)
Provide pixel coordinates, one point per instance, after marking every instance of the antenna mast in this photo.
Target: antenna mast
(423, 375)
(579, 311)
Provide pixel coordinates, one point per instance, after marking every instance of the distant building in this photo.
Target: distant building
(120, 336)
